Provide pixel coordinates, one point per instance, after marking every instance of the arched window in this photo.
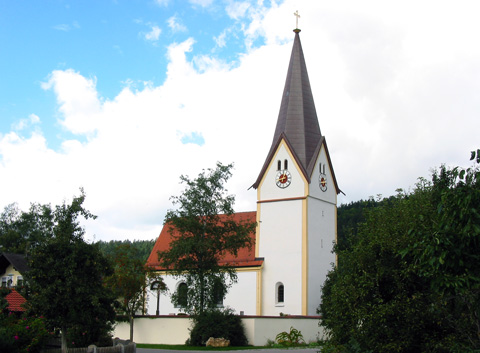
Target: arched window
(279, 165)
(280, 293)
(182, 290)
(218, 294)
(285, 164)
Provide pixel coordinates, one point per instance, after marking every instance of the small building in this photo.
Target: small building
(12, 268)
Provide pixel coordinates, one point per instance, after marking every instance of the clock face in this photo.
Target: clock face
(322, 182)
(283, 178)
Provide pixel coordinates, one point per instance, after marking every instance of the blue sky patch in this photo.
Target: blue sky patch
(195, 138)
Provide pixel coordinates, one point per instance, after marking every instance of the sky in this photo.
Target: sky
(121, 98)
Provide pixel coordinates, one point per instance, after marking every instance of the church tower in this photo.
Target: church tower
(296, 203)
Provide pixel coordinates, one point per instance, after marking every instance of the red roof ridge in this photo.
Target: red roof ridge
(15, 301)
(245, 257)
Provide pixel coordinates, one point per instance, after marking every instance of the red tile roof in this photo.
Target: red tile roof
(15, 301)
(245, 256)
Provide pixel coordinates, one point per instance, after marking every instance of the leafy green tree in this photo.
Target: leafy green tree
(130, 279)
(349, 218)
(66, 279)
(410, 282)
(375, 299)
(207, 230)
(21, 231)
(448, 254)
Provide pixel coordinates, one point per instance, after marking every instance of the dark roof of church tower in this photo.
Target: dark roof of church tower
(297, 120)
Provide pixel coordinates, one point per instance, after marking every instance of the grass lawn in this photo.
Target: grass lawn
(182, 347)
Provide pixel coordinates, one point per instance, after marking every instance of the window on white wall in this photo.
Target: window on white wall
(218, 293)
(182, 290)
(279, 293)
(7, 281)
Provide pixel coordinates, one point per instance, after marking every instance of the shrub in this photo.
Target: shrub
(22, 334)
(94, 332)
(218, 324)
(292, 338)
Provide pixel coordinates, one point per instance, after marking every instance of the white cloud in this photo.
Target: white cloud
(221, 39)
(77, 98)
(162, 2)
(393, 100)
(176, 26)
(154, 34)
(66, 27)
(62, 27)
(237, 9)
(24, 123)
(203, 3)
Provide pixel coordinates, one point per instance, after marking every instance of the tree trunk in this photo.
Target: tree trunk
(64, 339)
(131, 328)
(202, 292)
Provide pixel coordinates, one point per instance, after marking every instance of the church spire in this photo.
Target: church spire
(297, 120)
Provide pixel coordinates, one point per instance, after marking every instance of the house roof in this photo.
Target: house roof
(15, 301)
(18, 261)
(297, 122)
(245, 256)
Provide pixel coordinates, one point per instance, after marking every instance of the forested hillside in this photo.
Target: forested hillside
(22, 231)
(144, 247)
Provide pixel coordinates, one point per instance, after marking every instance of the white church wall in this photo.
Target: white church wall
(240, 297)
(268, 188)
(165, 304)
(280, 243)
(330, 195)
(175, 329)
(320, 244)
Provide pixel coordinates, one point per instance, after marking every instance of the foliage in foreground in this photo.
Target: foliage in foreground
(22, 231)
(206, 231)
(217, 323)
(66, 280)
(290, 339)
(20, 333)
(129, 281)
(410, 282)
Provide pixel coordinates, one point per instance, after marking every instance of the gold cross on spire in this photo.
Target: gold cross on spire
(297, 17)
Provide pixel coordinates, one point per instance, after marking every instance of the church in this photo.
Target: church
(296, 215)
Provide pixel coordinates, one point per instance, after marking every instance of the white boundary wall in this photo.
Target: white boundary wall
(258, 329)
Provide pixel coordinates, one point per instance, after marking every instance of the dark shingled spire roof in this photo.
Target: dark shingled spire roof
(297, 120)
